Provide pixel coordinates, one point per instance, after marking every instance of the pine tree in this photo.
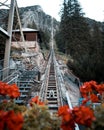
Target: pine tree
(97, 53)
(76, 35)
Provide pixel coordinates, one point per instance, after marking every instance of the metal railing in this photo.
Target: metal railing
(12, 75)
(70, 106)
(45, 81)
(60, 81)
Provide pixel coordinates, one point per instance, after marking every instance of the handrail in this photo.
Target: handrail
(70, 106)
(59, 80)
(44, 83)
(11, 75)
(62, 86)
(13, 79)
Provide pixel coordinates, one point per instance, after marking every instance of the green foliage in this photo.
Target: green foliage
(84, 44)
(38, 117)
(45, 38)
(7, 106)
(98, 124)
(35, 118)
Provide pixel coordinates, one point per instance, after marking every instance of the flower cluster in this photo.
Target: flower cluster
(10, 120)
(20, 117)
(67, 118)
(90, 90)
(9, 90)
(37, 116)
(81, 115)
(36, 100)
(98, 124)
(84, 114)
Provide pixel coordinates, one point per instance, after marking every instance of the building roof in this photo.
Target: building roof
(25, 30)
(3, 32)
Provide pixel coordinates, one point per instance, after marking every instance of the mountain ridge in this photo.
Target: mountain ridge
(35, 17)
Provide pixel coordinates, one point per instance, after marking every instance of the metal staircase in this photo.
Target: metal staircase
(24, 83)
(52, 94)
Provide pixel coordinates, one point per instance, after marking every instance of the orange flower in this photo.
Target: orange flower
(67, 118)
(2, 119)
(13, 91)
(83, 115)
(3, 88)
(63, 110)
(11, 121)
(14, 121)
(100, 88)
(88, 87)
(10, 90)
(36, 101)
(94, 98)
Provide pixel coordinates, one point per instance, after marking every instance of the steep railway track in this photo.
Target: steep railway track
(50, 89)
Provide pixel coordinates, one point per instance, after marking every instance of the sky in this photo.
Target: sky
(93, 9)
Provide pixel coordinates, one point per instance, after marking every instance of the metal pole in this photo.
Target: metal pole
(70, 106)
(23, 40)
(8, 41)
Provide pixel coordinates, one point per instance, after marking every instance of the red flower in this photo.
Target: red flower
(2, 119)
(67, 118)
(11, 121)
(88, 88)
(10, 90)
(63, 110)
(13, 91)
(83, 115)
(94, 98)
(14, 121)
(100, 88)
(36, 101)
(3, 88)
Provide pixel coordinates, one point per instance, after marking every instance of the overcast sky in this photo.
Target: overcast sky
(92, 8)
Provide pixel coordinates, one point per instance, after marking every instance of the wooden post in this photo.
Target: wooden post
(22, 36)
(8, 41)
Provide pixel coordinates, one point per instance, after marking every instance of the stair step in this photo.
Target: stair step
(52, 102)
(53, 107)
(48, 98)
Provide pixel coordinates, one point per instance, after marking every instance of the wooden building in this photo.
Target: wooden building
(31, 39)
(3, 36)
(29, 34)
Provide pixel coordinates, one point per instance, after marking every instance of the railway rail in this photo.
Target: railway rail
(50, 89)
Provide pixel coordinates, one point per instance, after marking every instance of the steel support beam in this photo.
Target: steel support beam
(8, 41)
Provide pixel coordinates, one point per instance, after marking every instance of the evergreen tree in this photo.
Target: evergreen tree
(76, 36)
(45, 38)
(97, 53)
(84, 44)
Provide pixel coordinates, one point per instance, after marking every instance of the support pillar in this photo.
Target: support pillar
(8, 41)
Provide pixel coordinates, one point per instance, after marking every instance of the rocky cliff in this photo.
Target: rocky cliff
(31, 16)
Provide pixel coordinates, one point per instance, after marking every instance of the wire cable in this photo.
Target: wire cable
(4, 4)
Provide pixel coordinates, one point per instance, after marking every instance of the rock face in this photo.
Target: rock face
(35, 16)
(32, 59)
(32, 16)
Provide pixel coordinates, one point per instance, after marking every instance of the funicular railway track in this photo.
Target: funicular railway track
(50, 90)
(52, 93)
